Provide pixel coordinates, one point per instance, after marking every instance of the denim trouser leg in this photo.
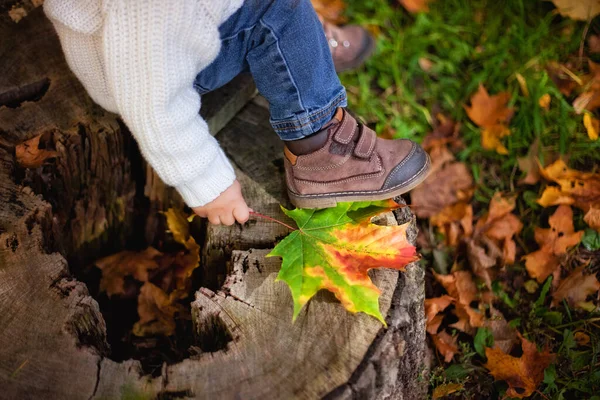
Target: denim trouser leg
(282, 43)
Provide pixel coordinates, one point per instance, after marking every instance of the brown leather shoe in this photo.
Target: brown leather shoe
(354, 165)
(350, 45)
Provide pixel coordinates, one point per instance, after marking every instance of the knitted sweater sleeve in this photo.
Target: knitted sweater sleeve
(151, 55)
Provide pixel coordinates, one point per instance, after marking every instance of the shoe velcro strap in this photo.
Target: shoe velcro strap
(346, 129)
(366, 143)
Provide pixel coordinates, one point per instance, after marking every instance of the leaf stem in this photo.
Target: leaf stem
(257, 214)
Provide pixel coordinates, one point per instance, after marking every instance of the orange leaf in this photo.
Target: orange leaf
(492, 115)
(156, 311)
(553, 242)
(126, 263)
(575, 288)
(592, 125)
(590, 99)
(432, 308)
(544, 101)
(582, 189)
(30, 155)
(592, 218)
(446, 389)
(454, 221)
(530, 165)
(446, 345)
(330, 10)
(524, 373)
(415, 6)
(459, 285)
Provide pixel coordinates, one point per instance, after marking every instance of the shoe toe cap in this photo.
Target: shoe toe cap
(412, 167)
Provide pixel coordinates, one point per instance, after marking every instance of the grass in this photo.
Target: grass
(468, 43)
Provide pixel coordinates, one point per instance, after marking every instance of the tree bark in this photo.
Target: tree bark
(83, 202)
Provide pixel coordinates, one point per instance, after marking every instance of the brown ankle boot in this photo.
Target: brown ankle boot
(350, 45)
(354, 165)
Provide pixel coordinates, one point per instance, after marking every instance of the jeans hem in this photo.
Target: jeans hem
(307, 123)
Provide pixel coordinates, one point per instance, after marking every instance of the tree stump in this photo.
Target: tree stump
(85, 201)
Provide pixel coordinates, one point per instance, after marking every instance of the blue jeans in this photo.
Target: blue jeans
(282, 43)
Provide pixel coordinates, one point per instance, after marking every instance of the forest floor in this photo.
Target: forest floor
(509, 234)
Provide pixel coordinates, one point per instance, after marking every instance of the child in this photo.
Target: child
(150, 61)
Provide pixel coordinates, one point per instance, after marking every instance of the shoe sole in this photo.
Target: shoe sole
(331, 200)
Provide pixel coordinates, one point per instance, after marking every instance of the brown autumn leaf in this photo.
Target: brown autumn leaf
(577, 188)
(575, 288)
(460, 286)
(449, 183)
(30, 155)
(157, 312)
(330, 10)
(581, 338)
(492, 115)
(564, 79)
(446, 389)
(582, 10)
(594, 44)
(445, 132)
(415, 6)
(590, 98)
(523, 374)
(454, 221)
(592, 218)
(544, 101)
(126, 263)
(445, 345)
(530, 165)
(505, 337)
(554, 244)
(433, 307)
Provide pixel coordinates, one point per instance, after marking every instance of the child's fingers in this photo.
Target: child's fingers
(241, 214)
(214, 219)
(227, 219)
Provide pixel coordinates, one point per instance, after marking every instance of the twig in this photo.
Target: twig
(257, 214)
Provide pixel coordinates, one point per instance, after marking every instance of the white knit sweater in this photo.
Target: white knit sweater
(139, 58)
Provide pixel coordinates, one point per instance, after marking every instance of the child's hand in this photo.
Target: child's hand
(229, 207)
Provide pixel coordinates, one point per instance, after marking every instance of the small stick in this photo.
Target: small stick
(257, 214)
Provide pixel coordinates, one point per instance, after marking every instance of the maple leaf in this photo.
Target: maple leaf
(334, 249)
(581, 189)
(460, 286)
(491, 114)
(30, 155)
(575, 288)
(582, 10)
(454, 221)
(554, 243)
(126, 263)
(157, 312)
(524, 373)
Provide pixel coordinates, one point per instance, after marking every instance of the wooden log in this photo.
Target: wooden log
(80, 205)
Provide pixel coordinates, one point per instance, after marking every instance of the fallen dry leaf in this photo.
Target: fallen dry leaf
(530, 165)
(581, 189)
(415, 6)
(575, 288)
(544, 101)
(492, 115)
(554, 243)
(156, 311)
(454, 221)
(446, 389)
(565, 80)
(330, 10)
(581, 338)
(592, 126)
(126, 263)
(433, 307)
(582, 10)
(594, 44)
(445, 132)
(505, 337)
(592, 218)
(445, 345)
(590, 98)
(30, 155)
(460, 286)
(522, 374)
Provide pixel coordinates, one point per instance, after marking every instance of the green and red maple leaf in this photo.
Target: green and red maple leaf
(335, 248)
